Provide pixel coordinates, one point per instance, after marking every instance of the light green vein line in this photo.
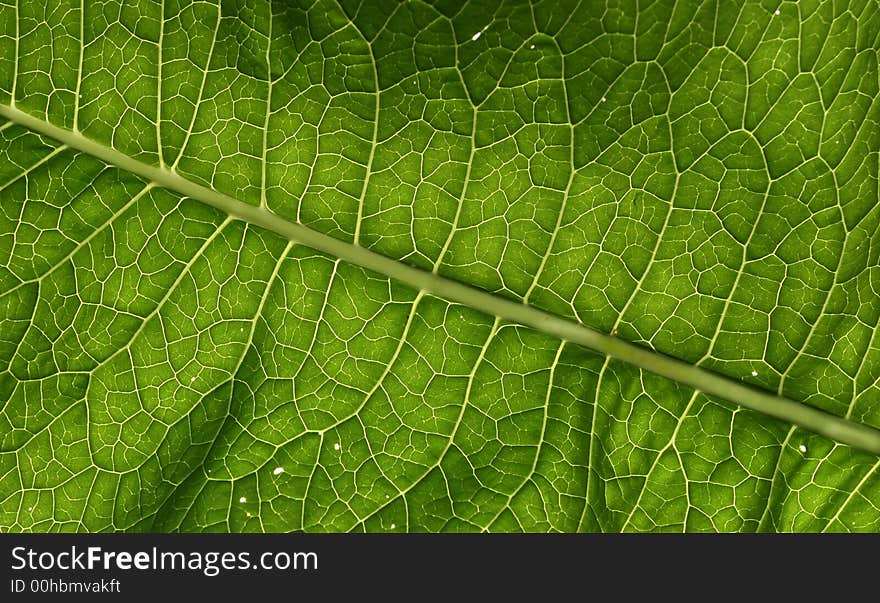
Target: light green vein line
(837, 428)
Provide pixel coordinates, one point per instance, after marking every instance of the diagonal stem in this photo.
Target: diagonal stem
(837, 428)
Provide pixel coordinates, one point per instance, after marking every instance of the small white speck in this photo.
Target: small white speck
(248, 513)
(278, 470)
(242, 329)
(476, 36)
(31, 508)
(777, 12)
(604, 99)
(193, 379)
(393, 525)
(532, 47)
(386, 496)
(415, 82)
(242, 499)
(754, 373)
(336, 446)
(802, 448)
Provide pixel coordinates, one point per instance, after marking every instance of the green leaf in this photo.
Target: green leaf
(400, 266)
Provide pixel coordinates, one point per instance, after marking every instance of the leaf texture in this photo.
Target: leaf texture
(699, 178)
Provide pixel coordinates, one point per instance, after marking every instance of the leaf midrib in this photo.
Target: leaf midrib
(837, 428)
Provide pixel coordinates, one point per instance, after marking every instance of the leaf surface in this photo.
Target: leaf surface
(234, 236)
